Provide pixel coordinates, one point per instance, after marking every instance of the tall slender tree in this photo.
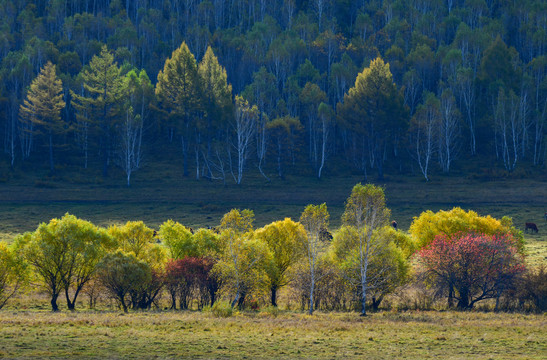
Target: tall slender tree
(366, 211)
(179, 94)
(217, 99)
(315, 218)
(43, 106)
(100, 104)
(374, 109)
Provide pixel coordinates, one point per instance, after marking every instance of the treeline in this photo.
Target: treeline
(466, 80)
(455, 257)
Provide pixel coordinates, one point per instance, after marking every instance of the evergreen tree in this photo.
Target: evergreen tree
(43, 106)
(374, 109)
(100, 104)
(179, 94)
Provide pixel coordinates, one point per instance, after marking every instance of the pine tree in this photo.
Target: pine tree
(101, 105)
(43, 106)
(374, 110)
(179, 94)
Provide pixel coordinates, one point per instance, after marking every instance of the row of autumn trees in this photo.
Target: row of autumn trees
(467, 80)
(458, 255)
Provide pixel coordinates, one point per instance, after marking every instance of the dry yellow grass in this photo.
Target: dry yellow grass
(412, 335)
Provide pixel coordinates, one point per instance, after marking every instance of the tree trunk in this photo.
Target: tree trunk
(54, 306)
(376, 302)
(312, 289)
(463, 303)
(124, 306)
(274, 295)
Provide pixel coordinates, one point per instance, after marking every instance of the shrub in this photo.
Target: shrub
(272, 311)
(222, 309)
(532, 289)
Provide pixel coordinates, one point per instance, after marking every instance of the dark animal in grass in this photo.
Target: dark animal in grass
(325, 235)
(531, 226)
(394, 224)
(545, 216)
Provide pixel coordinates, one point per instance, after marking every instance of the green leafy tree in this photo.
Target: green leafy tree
(179, 93)
(64, 254)
(284, 239)
(101, 104)
(134, 237)
(13, 273)
(178, 239)
(373, 109)
(310, 98)
(243, 258)
(284, 131)
(122, 274)
(217, 103)
(388, 266)
(43, 106)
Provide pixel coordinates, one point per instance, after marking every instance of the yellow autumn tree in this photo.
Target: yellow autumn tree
(283, 239)
(42, 107)
(428, 225)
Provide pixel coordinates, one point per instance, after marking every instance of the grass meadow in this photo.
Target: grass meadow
(29, 330)
(260, 335)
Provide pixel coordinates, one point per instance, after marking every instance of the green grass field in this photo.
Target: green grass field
(412, 335)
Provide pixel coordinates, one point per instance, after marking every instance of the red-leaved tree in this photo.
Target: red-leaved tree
(190, 278)
(472, 267)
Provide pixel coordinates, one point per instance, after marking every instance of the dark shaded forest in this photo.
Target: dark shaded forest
(277, 87)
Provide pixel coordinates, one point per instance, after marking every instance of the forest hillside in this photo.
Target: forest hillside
(316, 87)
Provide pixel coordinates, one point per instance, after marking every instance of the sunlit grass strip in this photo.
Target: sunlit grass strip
(414, 335)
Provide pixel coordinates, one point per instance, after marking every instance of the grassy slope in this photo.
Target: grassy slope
(160, 193)
(414, 335)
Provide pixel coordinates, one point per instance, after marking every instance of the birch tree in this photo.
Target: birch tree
(449, 131)
(129, 153)
(315, 218)
(366, 212)
(422, 133)
(244, 128)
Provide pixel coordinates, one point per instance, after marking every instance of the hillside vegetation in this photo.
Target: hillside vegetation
(294, 87)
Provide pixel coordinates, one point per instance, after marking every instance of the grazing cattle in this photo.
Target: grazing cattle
(325, 235)
(394, 224)
(215, 229)
(531, 226)
(545, 216)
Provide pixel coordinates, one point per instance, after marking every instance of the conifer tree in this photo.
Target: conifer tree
(104, 88)
(217, 99)
(43, 106)
(179, 94)
(373, 109)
